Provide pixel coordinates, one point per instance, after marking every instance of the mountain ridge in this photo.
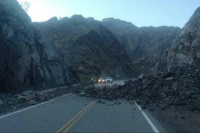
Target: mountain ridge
(80, 39)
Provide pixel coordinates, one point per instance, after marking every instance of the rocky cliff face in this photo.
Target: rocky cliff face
(118, 27)
(186, 49)
(90, 48)
(26, 60)
(146, 45)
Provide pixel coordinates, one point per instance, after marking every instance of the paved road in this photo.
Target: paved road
(71, 113)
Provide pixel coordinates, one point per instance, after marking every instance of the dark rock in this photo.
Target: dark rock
(163, 108)
(182, 117)
(180, 102)
(151, 109)
(99, 101)
(1, 103)
(144, 107)
(193, 107)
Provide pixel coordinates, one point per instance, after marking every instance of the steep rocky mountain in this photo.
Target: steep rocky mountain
(174, 89)
(186, 49)
(146, 45)
(88, 47)
(27, 60)
(118, 27)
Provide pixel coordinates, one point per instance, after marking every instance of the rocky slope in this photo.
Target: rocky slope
(27, 60)
(146, 45)
(90, 48)
(118, 27)
(186, 49)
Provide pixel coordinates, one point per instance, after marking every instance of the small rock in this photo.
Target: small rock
(99, 101)
(29, 97)
(28, 92)
(52, 95)
(188, 115)
(103, 102)
(1, 103)
(144, 107)
(82, 93)
(193, 107)
(141, 76)
(10, 103)
(32, 102)
(182, 117)
(151, 109)
(21, 98)
(170, 78)
(163, 108)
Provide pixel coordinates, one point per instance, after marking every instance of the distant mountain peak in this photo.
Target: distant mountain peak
(113, 21)
(77, 16)
(108, 19)
(197, 10)
(52, 20)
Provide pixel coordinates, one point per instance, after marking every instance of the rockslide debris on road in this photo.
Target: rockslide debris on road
(179, 87)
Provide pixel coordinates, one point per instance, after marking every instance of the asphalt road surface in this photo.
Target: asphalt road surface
(71, 113)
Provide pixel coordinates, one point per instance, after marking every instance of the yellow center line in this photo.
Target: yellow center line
(74, 117)
(79, 117)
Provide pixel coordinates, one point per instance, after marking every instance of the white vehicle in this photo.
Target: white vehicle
(109, 79)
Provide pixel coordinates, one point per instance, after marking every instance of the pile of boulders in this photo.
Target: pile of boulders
(179, 87)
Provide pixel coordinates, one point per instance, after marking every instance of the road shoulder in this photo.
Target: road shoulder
(177, 120)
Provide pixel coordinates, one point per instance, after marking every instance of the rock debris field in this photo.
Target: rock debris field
(177, 88)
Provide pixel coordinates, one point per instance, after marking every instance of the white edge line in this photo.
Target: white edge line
(148, 120)
(32, 106)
